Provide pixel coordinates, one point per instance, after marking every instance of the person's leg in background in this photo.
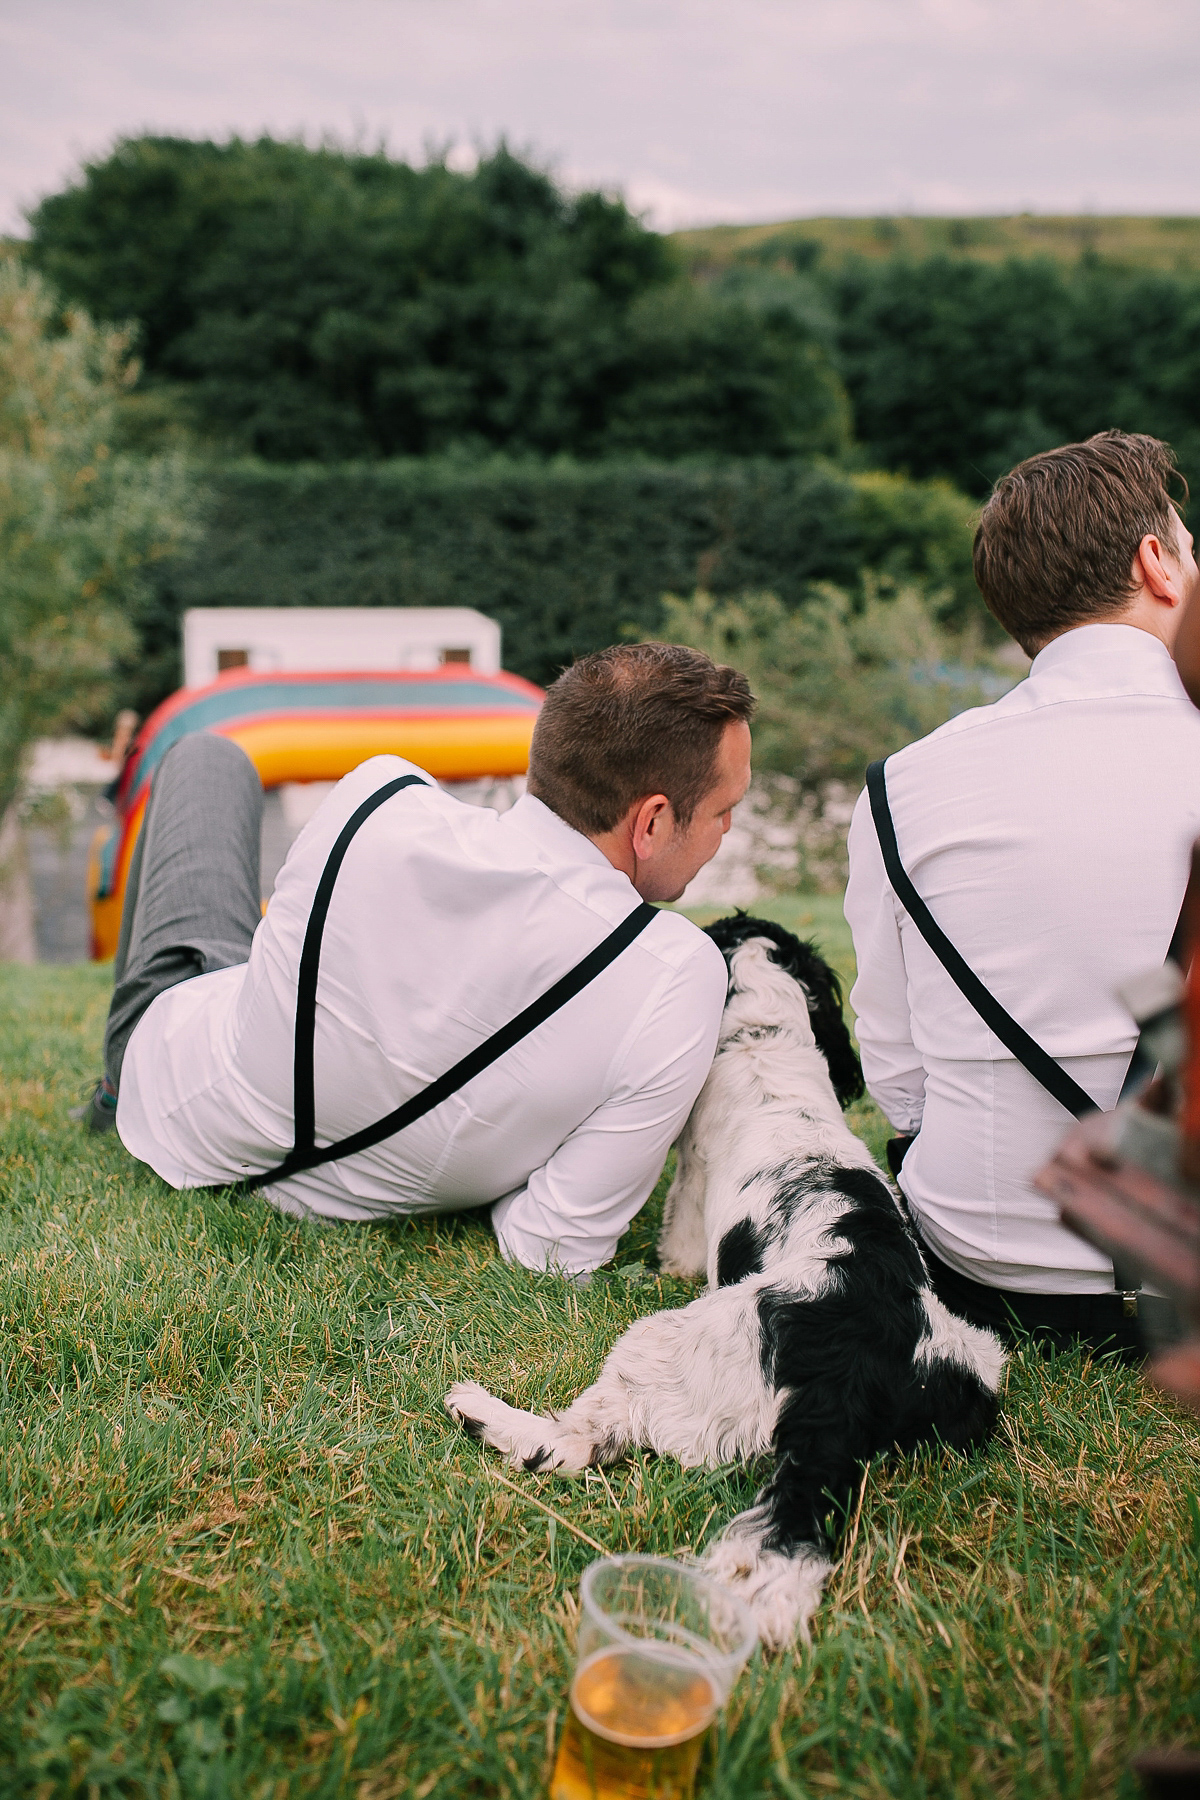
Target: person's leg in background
(192, 899)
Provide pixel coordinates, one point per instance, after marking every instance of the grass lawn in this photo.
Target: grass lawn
(243, 1551)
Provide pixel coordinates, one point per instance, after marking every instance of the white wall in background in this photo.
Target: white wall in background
(217, 638)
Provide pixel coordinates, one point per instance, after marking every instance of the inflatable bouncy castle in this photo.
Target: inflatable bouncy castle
(453, 722)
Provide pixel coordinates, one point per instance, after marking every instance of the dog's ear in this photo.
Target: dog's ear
(829, 1025)
(805, 963)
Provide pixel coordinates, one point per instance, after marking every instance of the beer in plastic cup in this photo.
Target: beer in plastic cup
(659, 1649)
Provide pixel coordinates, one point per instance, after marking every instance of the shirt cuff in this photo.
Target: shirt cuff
(899, 1103)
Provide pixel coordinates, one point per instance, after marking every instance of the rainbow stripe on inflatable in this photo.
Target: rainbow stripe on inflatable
(455, 723)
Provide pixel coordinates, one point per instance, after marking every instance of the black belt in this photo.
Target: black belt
(306, 1153)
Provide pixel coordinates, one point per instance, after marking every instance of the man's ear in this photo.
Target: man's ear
(1158, 566)
(652, 825)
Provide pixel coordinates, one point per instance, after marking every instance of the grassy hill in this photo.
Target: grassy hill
(1171, 244)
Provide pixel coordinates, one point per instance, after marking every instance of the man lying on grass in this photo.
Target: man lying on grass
(414, 928)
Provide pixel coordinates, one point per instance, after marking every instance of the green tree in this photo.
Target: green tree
(324, 304)
(960, 369)
(79, 520)
(716, 370)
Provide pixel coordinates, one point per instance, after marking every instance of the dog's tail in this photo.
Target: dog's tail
(779, 1553)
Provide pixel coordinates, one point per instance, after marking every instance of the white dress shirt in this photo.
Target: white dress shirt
(446, 921)
(1049, 835)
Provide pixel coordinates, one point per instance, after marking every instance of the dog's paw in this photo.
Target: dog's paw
(470, 1404)
(680, 1261)
(682, 1251)
(524, 1439)
(782, 1592)
(686, 1268)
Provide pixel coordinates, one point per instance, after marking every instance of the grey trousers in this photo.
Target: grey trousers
(192, 900)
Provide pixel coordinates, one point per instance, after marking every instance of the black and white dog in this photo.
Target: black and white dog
(819, 1337)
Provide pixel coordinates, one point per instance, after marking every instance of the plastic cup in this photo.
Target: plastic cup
(659, 1649)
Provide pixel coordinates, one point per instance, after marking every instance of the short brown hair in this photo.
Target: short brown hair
(1056, 541)
(633, 720)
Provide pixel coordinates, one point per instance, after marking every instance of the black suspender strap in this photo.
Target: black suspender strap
(306, 1153)
(1028, 1052)
(304, 1104)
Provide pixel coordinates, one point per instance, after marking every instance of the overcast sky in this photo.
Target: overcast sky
(699, 110)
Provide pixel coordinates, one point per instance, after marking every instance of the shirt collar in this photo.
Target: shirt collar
(560, 841)
(1120, 648)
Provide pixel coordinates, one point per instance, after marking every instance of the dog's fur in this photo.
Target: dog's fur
(819, 1337)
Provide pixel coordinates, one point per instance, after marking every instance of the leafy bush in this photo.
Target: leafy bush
(840, 682)
(317, 303)
(566, 556)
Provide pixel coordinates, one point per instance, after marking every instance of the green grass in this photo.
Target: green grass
(244, 1553)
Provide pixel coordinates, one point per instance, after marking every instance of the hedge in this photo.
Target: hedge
(566, 556)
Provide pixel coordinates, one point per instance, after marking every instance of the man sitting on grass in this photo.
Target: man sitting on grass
(1049, 837)
(442, 923)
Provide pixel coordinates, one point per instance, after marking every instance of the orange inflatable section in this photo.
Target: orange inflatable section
(106, 908)
(326, 749)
